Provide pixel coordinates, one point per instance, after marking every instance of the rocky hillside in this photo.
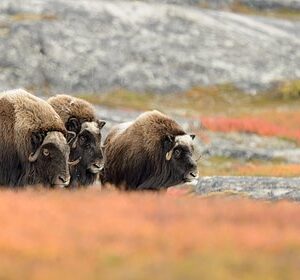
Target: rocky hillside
(95, 46)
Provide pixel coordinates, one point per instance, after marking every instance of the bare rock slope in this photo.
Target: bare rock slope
(94, 46)
(269, 188)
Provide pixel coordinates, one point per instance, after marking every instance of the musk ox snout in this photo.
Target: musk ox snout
(61, 181)
(96, 166)
(191, 174)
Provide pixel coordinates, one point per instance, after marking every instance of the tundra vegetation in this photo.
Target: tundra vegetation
(174, 234)
(109, 235)
(88, 234)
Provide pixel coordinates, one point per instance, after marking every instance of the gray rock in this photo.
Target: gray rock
(96, 46)
(272, 4)
(248, 146)
(227, 4)
(270, 188)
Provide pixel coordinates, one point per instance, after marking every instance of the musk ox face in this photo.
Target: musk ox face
(87, 145)
(182, 155)
(50, 158)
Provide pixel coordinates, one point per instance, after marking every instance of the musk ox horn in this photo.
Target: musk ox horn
(71, 136)
(169, 155)
(73, 146)
(75, 162)
(33, 156)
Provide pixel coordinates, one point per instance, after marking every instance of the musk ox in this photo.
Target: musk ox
(151, 153)
(79, 117)
(33, 147)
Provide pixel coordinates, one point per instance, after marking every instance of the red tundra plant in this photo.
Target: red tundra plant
(250, 125)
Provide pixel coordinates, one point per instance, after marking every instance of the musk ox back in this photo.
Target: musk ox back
(153, 152)
(33, 148)
(80, 117)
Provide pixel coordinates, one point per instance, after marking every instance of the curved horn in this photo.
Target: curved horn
(72, 137)
(75, 162)
(33, 156)
(169, 155)
(74, 144)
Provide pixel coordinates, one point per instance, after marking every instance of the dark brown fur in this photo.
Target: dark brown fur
(21, 116)
(77, 113)
(135, 153)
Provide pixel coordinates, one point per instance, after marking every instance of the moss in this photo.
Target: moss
(4, 30)
(121, 98)
(32, 17)
(288, 90)
(224, 166)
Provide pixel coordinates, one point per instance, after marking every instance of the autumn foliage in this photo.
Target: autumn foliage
(257, 125)
(90, 234)
(279, 170)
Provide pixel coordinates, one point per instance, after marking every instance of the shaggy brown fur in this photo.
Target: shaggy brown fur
(135, 153)
(79, 116)
(68, 106)
(21, 116)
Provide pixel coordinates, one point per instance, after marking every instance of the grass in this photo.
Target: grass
(222, 99)
(32, 17)
(90, 234)
(280, 13)
(288, 90)
(222, 107)
(4, 30)
(221, 166)
(123, 99)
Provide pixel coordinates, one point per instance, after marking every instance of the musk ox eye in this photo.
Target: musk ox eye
(46, 152)
(177, 153)
(82, 139)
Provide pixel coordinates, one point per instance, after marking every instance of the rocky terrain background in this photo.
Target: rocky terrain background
(144, 46)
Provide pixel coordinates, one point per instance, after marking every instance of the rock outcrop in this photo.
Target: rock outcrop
(95, 46)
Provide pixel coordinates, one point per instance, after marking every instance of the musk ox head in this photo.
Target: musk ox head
(49, 158)
(181, 154)
(86, 148)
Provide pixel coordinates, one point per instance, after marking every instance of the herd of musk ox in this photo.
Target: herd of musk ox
(58, 143)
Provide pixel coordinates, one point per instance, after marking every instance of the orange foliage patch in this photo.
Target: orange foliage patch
(276, 126)
(87, 230)
(288, 119)
(280, 170)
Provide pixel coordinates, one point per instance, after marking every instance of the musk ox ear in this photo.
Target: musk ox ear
(101, 123)
(73, 125)
(193, 136)
(37, 139)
